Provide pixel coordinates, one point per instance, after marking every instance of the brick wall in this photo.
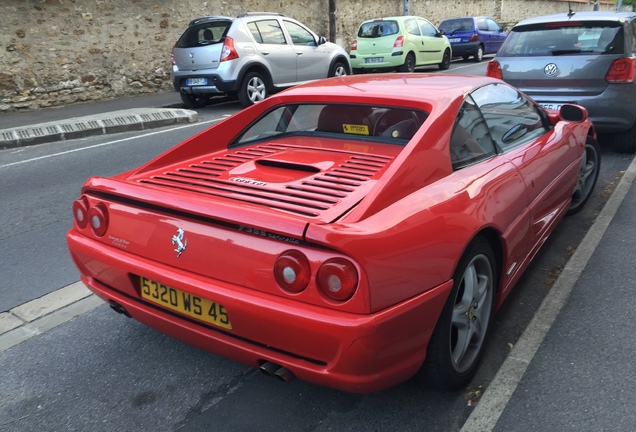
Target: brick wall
(59, 52)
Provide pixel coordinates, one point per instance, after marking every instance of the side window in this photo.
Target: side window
(632, 30)
(427, 28)
(493, 26)
(481, 24)
(470, 141)
(411, 27)
(512, 119)
(299, 35)
(267, 32)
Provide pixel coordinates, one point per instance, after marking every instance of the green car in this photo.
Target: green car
(403, 42)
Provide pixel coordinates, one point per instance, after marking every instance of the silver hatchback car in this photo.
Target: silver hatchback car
(250, 56)
(585, 58)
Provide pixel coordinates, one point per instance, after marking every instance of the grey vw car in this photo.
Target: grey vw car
(586, 58)
(250, 56)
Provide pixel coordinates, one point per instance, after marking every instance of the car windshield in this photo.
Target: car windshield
(206, 33)
(456, 25)
(376, 29)
(379, 123)
(571, 38)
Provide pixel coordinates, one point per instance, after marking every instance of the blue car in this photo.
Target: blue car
(473, 36)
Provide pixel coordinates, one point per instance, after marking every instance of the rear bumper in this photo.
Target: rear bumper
(389, 60)
(355, 353)
(216, 85)
(464, 49)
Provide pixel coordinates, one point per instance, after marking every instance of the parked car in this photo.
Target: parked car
(250, 56)
(401, 43)
(348, 232)
(586, 58)
(473, 36)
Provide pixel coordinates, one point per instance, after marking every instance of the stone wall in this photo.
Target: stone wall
(59, 52)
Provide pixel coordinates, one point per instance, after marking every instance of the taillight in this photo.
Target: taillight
(228, 52)
(292, 271)
(337, 278)
(621, 71)
(172, 62)
(473, 38)
(98, 219)
(80, 212)
(399, 42)
(354, 45)
(494, 70)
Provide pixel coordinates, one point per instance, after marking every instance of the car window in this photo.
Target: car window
(456, 25)
(410, 25)
(470, 141)
(553, 39)
(512, 118)
(378, 29)
(492, 26)
(206, 33)
(427, 28)
(299, 35)
(267, 32)
(384, 124)
(482, 24)
(632, 30)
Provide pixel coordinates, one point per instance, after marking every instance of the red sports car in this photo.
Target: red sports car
(350, 232)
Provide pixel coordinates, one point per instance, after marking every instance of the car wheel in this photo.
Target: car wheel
(479, 55)
(625, 142)
(588, 174)
(191, 101)
(253, 89)
(445, 64)
(338, 69)
(409, 63)
(457, 343)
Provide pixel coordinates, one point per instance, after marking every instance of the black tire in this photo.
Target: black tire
(409, 64)
(446, 60)
(467, 314)
(338, 69)
(625, 142)
(479, 54)
(194, 102)
(588, 174)
(253, 89)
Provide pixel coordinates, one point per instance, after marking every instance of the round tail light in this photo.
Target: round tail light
(338, 279)
(98, 219)
(292, 271)
(80, 212)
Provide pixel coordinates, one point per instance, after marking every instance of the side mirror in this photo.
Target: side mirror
(573, 113)
(322, 40)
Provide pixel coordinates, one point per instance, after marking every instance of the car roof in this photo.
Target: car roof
(393, 18)
(579, 16)
(243, 15)
(465, 17)
(424, 89)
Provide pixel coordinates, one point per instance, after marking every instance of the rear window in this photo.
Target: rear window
(201, 34)
(378, 29)
(569, 38)
(457, 25)
(380, 123)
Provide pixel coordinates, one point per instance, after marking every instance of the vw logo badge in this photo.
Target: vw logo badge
(551, 69)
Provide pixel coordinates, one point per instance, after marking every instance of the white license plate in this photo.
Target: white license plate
(196, 81)
(552, 106)
(374, 60)
(455, 40)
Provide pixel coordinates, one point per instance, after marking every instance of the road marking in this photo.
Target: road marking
(492, 404)
(110, 142)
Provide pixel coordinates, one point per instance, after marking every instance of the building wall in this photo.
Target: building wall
(59, 52)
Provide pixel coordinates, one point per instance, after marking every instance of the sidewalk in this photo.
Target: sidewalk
(96, 118)
(574, 368)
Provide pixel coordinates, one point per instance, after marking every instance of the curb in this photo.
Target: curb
(100, 124)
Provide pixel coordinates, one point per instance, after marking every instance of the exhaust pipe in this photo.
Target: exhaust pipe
(118, 308)
(277, 371)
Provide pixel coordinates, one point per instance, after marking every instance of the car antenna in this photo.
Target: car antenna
(570, 11)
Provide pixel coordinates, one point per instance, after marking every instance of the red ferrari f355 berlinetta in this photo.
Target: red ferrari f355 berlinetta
(352, 232)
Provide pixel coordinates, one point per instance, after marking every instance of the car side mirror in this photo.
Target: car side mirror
(573, 113)
(322, 40)
(441, 32)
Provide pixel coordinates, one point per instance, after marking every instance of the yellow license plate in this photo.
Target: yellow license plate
(184, 303)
